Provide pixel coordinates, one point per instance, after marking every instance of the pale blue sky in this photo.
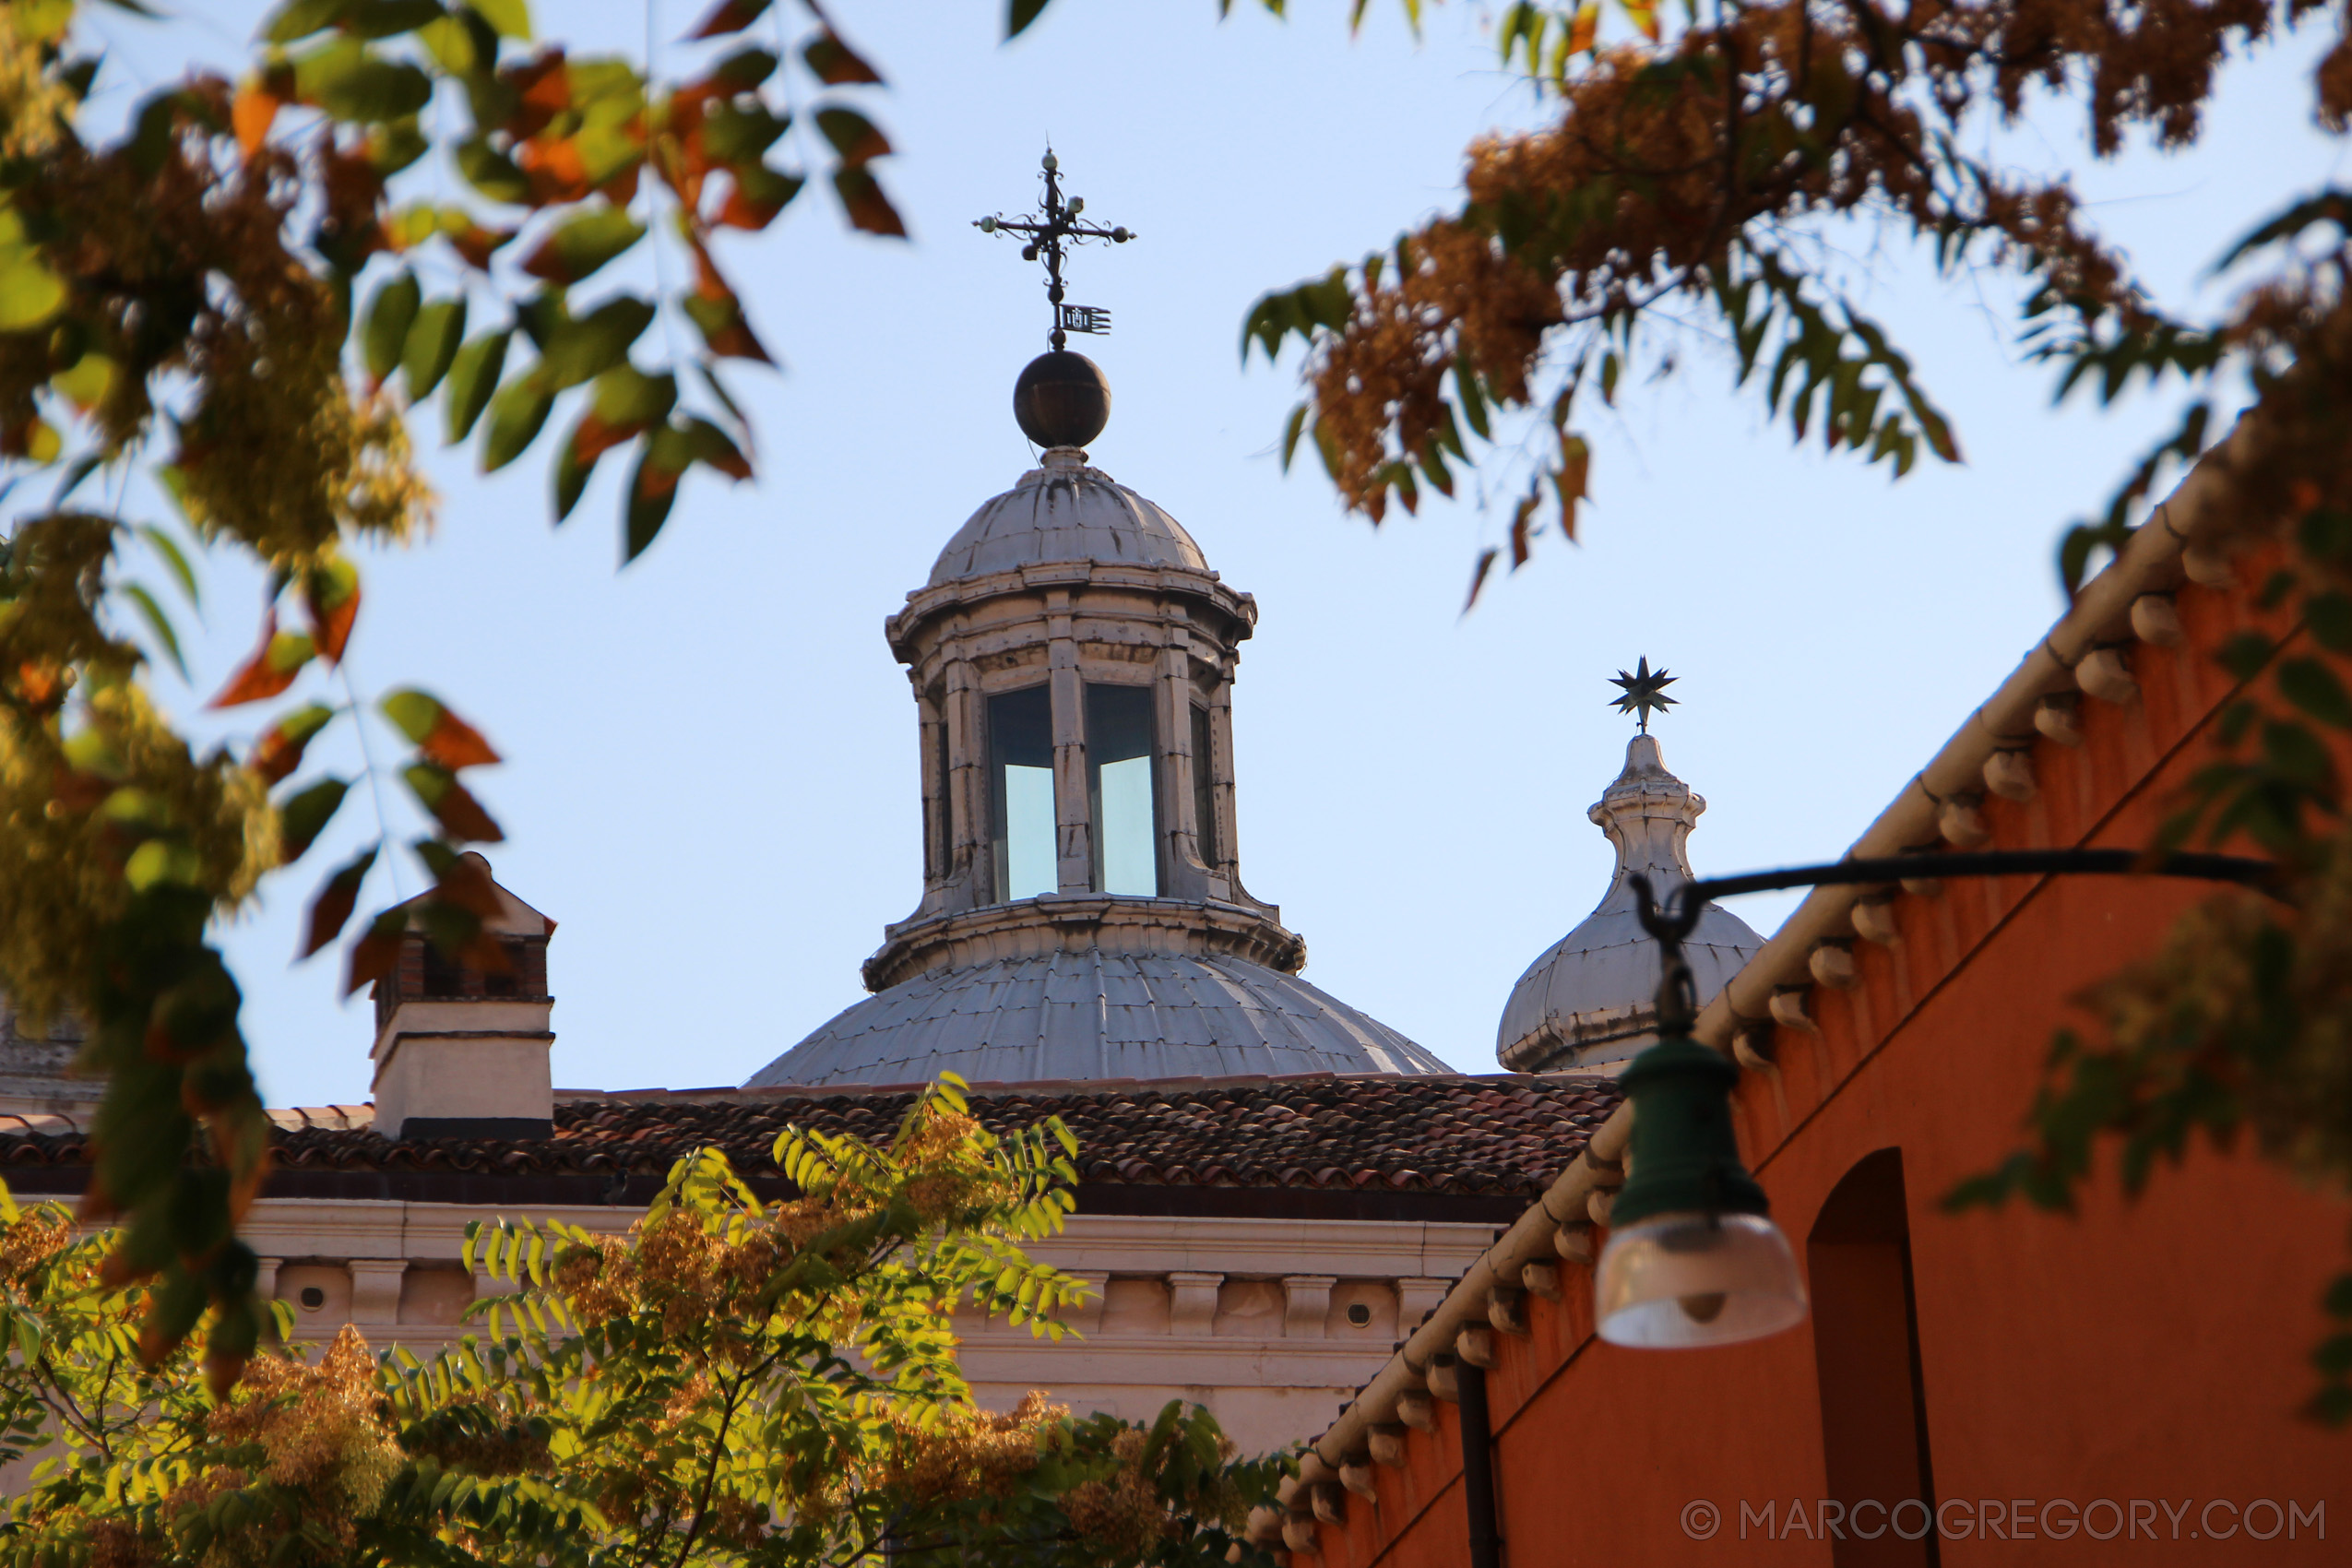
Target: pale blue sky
(712, 779)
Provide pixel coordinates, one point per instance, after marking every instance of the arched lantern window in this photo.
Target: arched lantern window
(1121, 796)
(1020, 771)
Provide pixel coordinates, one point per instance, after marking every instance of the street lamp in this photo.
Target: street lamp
(1693, 1257)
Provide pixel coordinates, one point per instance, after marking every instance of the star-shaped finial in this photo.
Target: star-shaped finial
(1643, 692)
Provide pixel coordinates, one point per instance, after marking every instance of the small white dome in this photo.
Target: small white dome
(1590, 1001)
(1065, 511)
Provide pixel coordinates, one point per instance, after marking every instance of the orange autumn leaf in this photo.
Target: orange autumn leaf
(272, 668)
(474, 243)
(452, 804)
(256, 110)
(1586, 26)
(453, 743)
(374, 957)
(557, 172)
(40, 682)
(331, 592)
(332, 908)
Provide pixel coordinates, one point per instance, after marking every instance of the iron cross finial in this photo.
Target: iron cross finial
(1045, 237)
(1643, 692)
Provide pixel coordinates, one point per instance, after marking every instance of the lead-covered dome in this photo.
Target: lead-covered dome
(1589, 1001)
(1065, 511)
(1090, 1015)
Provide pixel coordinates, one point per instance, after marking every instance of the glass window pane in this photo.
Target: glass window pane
(1119, 786)
(1020, 740)
(1204, 788)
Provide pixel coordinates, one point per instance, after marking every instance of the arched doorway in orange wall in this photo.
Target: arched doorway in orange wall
(1866, 1353)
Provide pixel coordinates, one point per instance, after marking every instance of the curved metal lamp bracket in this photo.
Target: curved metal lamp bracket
(1669, 923)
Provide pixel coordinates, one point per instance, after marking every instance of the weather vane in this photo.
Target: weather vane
(1643, 692)
(1045, 237)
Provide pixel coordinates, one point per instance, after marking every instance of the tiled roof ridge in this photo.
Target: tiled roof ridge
(1480, 1135)
(1052, 1087)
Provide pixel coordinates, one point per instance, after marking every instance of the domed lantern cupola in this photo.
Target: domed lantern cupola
(1589, 1002)
(1083, 914)
(1072, 658)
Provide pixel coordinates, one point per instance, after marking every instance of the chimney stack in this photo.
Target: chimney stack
(461, 1051)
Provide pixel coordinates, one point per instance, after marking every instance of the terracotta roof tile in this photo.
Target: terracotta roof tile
(1494, 1136)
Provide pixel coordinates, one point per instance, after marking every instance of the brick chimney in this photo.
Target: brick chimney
(461, 1052)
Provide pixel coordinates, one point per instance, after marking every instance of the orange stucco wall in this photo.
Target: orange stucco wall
(2151, 1351)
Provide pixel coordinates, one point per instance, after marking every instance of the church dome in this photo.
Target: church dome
(1065, 511)
(1083, 914)
(1589, 1001)
(1092, 1015)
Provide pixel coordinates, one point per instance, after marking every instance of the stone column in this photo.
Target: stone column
(1306, 1302)
(967, 815)
(1220, 767)
(1191, 1303)
(1416, 1299)
(933, 788)
(1074, 833)
(266, 1280)
(375, 1292)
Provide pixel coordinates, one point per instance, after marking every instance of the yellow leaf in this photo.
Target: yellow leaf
(29, 293)
(88, 382)
(1644, 15)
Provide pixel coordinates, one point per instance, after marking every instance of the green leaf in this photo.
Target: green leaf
(433, 341)
(571, 473)
(413, 712)
(2313, 687)
(474, 376)
(1020, 14)
(462, 44)
(854, 136)
(653, 489)
(354, 84)
(160, 860)
(736, 135)
(1295, 428)
(626, 397)
(389, 316)
(294, 22)
(585, 346)
(835, 63)
(390, 18)
(582, 245)
(517, 413)
(626, 402)
(508, 19)
(491, 172)
(157, 622)
(306, 816)
(165, 545)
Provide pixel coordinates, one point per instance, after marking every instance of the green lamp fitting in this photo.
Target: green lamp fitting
(1684, 1153)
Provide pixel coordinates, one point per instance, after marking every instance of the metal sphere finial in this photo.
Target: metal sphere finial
(1062, 399)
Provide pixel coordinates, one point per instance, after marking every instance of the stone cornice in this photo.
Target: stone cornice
(1077, 923)
(925, 605)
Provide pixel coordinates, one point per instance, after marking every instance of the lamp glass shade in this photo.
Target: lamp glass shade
(1679, 1279)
